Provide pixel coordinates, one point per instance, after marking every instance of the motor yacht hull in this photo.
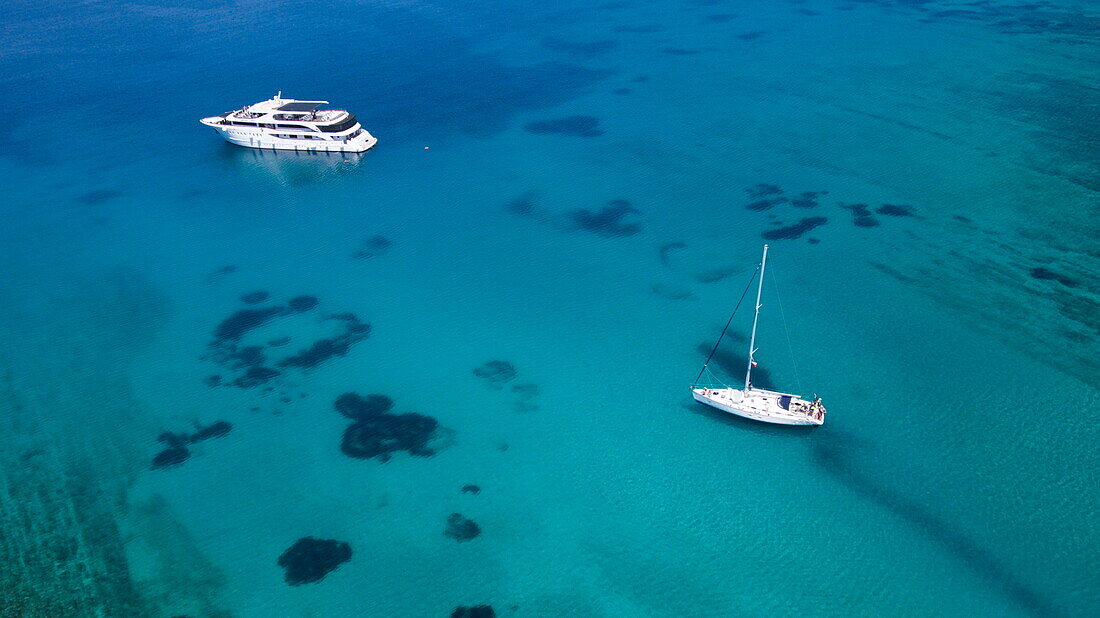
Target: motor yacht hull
(759, 405)
(259, 138)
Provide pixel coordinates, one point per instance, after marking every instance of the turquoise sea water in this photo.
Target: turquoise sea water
(956, 348)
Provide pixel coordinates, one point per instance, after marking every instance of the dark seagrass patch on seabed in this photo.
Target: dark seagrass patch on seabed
(382, 435)
(373, 247)
(245, 356)
(255, 376)
(355, 406)
(765, 204)
(171, 456)
(895, 210)
(763, 189)
(378, 434)
(218, 273)
(609, 221)
(523, 206)
(574, 126)
(672, 291)
(309, 560)
(1028, 18)
(525, 390)
(496, 373)
(217, 429)
(807, 199)
(764, 196)
(324, 349)
(1045, 274)
(794, 231)
(231, 329)
(176, 451)
(892, 272)
(474, 611)
(97, 196)
(525, 395)
(254, 298)
(300, 304)
(461, 528)
(861, 215)
(715, 274)
(250, 360)
(665, 251)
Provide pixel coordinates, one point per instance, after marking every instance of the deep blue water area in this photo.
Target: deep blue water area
(450, 376)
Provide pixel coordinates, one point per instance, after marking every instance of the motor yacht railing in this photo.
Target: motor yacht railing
(327, 115)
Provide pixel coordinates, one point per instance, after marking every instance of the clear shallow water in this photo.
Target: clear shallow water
(954, 475)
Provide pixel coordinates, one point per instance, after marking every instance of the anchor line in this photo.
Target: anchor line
(726, 327)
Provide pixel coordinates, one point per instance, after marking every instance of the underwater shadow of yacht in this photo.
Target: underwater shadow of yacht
(289, 167)
(829, 451)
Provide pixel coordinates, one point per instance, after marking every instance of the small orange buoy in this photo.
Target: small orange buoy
(425, 148)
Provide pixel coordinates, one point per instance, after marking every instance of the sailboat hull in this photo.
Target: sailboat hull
(760, 405)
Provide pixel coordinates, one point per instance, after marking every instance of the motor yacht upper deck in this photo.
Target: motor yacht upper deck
(287, 124)
(287, 110)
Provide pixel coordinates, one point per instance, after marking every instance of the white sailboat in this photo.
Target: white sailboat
(754, 403)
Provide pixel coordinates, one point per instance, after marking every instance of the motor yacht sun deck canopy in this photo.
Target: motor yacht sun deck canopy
(300, 106)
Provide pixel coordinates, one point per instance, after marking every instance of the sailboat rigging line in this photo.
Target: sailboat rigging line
(726, 327)
(790, 348)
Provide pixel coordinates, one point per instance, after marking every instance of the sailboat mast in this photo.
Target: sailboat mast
(755, 318)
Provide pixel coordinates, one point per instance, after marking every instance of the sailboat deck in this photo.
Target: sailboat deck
(762, 405)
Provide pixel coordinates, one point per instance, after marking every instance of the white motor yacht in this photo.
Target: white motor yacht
(290, 124)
